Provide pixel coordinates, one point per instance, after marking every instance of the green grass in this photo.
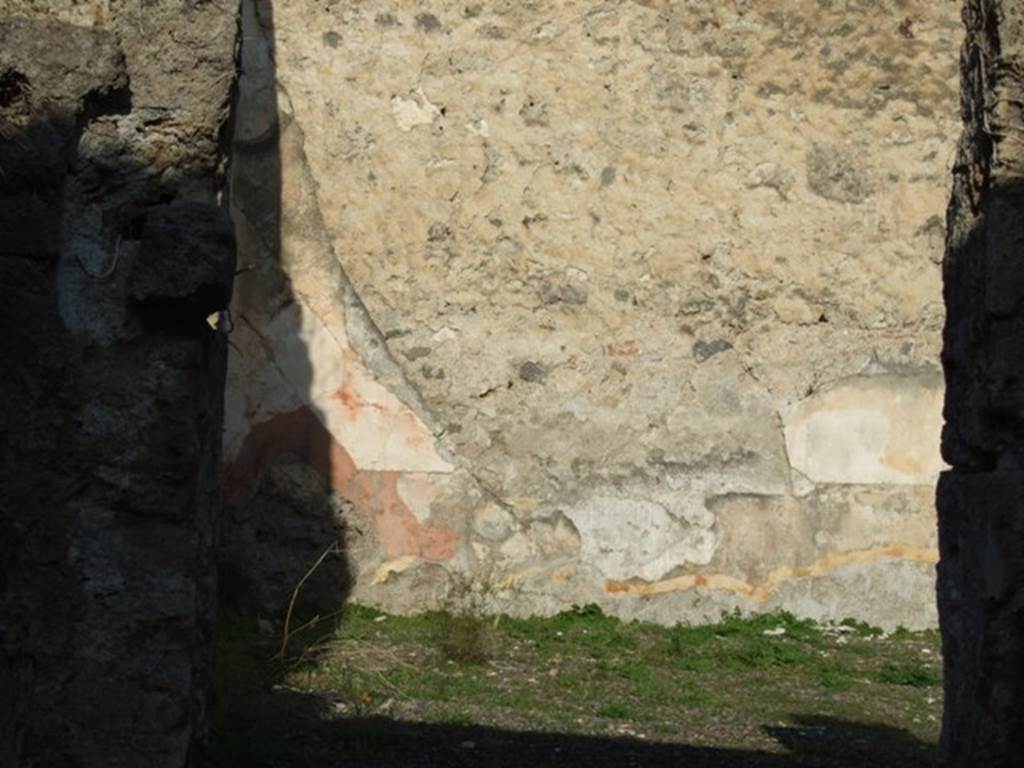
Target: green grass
(776, 640)
(911, 672)
(834, 677)
(578, 672)
(618, 710)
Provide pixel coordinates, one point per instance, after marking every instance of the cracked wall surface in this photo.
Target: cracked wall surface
(628, 303)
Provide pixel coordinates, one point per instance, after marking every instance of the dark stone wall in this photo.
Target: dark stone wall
(981, 498)
(116, 256)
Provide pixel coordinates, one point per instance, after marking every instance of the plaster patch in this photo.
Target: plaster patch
(626, 538)
(869, 429)
(382, 432)
(375, 426)
(418, 492)
(306, 352)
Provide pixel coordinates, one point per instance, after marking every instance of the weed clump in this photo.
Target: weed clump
(464, 638)
(913, 673)
(464, 632)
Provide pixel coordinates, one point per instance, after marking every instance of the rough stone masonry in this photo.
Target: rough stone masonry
(635, 304)
(981, 516)
(115, 256)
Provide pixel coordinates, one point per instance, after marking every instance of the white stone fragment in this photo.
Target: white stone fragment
(413, 111)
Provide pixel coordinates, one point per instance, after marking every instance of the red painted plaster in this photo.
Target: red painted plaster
(373, 493)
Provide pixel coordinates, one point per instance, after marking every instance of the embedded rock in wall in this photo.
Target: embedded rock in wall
(981, 514)
(115, 256)
(627, 303)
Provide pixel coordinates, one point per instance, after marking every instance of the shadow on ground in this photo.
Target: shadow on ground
(285, 728)
(316, 742)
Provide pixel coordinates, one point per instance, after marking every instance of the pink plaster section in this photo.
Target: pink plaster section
(354, 407)
(353, 403)
(380, 432)
(374, 493)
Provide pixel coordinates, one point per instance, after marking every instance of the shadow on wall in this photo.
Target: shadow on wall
(281, 526)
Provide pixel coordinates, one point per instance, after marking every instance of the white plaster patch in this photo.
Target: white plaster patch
(871, 429)
(413, 111)
(376, 428)
(380, 432)
(419, 492)
(629, 538)
(306, 351)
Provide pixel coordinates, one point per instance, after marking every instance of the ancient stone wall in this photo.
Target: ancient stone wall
(116, 255)
(628, 303)
(981, 513)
